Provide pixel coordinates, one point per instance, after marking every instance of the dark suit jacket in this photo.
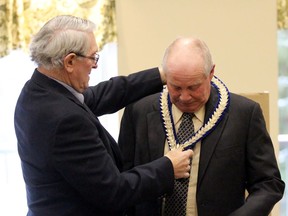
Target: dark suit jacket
(71, 165)
(237, 155)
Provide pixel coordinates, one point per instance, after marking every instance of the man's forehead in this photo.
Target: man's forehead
(187, 79)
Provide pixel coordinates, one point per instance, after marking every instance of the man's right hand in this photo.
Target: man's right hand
(181, 162)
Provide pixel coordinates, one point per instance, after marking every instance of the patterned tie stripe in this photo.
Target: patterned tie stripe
(175, 205)
(186, 128)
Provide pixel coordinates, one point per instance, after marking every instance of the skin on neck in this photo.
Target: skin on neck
(53, 73)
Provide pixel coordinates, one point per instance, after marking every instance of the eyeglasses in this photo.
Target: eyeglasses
(95, 58)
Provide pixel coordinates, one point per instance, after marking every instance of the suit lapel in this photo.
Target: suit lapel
(210, 142)
(156, 134)
(107, 139)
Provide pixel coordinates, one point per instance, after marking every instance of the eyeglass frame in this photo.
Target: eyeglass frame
(95, 58)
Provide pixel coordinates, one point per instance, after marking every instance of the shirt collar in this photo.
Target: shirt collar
(78, 95)
(177, 114)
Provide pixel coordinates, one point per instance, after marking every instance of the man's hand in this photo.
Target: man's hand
(181, 162)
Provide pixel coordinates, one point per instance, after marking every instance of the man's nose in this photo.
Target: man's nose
(95, 65)
(185, 96)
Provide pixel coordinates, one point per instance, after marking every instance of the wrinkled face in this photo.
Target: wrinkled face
(82, 66)
(189, 89)
(188, 82)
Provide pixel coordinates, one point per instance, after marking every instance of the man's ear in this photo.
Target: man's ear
(69, 61)
(212, 71)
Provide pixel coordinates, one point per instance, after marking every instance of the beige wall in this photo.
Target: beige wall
(241, 35)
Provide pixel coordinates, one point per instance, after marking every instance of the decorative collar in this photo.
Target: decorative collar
(208, 126)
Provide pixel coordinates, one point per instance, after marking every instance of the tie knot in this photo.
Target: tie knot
(187, 116)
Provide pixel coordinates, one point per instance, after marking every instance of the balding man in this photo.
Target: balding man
(233, 151)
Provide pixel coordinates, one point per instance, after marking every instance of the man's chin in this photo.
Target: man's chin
(188, 108)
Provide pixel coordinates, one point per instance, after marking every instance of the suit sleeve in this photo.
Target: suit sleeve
(116, 93)
(264, 183)
(82, 159)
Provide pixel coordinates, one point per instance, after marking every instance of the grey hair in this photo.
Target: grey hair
(59, 37)
(195, 45)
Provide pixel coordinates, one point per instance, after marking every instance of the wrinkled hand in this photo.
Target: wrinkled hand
(181, 162)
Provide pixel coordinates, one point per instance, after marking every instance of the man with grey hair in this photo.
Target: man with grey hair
(232, 150)
(71, 165)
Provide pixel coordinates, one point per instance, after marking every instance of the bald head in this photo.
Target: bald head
(189, 70)
(186, 53)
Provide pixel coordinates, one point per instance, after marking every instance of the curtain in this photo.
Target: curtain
(282, 14)
(20, 19)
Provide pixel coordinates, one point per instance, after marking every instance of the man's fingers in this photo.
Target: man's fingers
(189, 153)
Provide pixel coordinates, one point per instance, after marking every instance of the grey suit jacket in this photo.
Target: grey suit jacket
(237, 155)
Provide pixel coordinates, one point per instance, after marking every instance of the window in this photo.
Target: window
(283, 112)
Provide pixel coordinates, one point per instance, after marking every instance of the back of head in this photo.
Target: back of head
(186, 51)
(59, 37)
